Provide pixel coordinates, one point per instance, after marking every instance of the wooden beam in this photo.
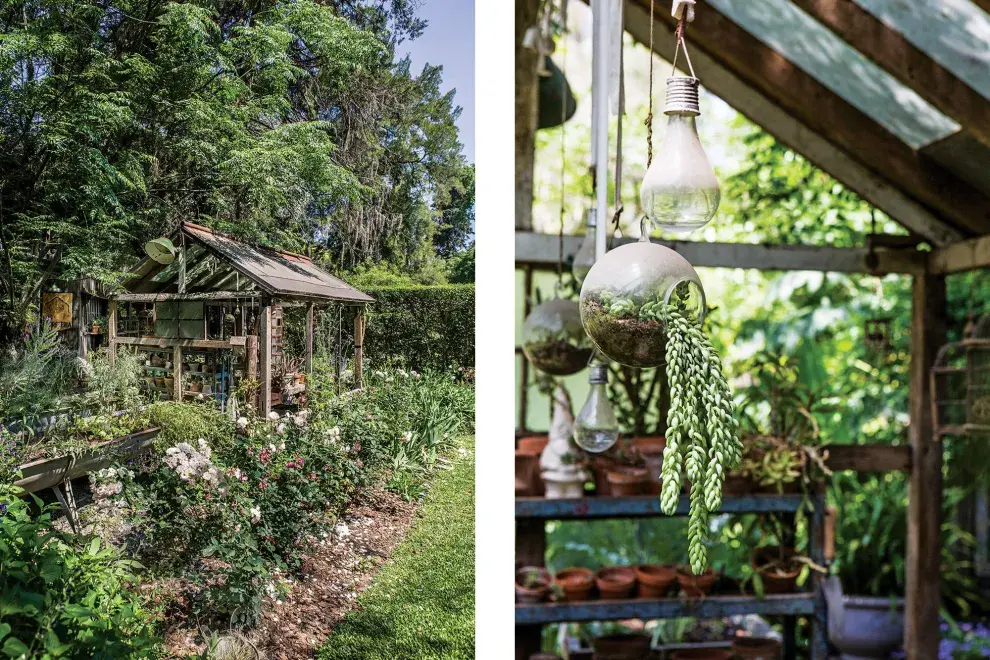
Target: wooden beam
(265, 358)
(826, 113)
(112, 330)
(891, 51)
(527, 14)
(971, 254)
(869, 458)
(982, 4)
(310, 318)
(210, 295)
(540, 251)
(759, 108)
(359, 349)
(168, 342)
(924, 540)
(177, 373)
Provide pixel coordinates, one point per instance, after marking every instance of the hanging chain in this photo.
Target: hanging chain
(649, 112)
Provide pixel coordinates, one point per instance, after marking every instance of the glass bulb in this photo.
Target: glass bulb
(596, 428)
(554, 340)
(680, 191)
(585, 257)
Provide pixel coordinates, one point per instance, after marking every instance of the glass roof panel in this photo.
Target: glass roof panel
(825, 57)
(961, 43)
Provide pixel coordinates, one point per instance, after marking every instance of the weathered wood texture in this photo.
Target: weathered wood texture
(540, 250)
(167, 342)
(265, 358)
(744, 90)
(527, 87)
(112, 330)
(531, 547)
(965, 255)
(211, 295)
(869, 458)
(921, 632)
(310, 320)
(890, 50)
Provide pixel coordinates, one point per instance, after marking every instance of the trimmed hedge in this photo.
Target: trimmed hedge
(422, 327)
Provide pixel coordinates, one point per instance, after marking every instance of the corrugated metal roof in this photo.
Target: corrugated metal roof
(275, 271)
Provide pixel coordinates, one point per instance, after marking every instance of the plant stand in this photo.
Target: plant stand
(533, 512)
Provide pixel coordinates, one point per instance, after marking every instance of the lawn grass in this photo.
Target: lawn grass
(421, 604)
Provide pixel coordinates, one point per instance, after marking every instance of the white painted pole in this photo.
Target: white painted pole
(600, 93)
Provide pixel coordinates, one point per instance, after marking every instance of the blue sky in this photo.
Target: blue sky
(449, 41)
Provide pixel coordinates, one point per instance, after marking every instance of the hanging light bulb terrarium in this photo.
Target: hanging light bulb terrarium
(596, 428)
(554, 340)
(624, 292)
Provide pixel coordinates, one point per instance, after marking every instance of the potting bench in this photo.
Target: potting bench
(532, 513)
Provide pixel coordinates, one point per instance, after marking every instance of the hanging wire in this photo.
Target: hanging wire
(649, 112)
(681, 44)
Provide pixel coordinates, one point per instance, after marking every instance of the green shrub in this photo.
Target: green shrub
(61, 595)
(421, 327)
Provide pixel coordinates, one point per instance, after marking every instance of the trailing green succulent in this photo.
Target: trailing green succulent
(701, 429)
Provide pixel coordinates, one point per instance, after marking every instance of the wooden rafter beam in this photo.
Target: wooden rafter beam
(825, 113)
(891, 51)
(540, 251)
(982, 4)
(971, 254)
(207, 295)
(764, 112)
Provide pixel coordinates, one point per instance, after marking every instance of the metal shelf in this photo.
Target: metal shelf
(642, 506)
(710, 607)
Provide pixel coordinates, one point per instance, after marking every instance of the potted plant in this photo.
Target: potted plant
(533, 584)
(755, 648)
(615, 582)
(97, 324)
(622, 646)
(695, 586)
(654, 581)
(777, 568)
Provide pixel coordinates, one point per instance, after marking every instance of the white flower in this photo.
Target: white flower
(379, 374)
(273, 416)
(281, 429)
(242, 422)
(402, 373)
(255, 515)
(299, 420)
(341, 530)
(281, 446)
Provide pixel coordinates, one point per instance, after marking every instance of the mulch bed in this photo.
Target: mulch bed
(343, 565)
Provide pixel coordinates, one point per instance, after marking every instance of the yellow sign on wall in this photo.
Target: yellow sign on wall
(57, 308)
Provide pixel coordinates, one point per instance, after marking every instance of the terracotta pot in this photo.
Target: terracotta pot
(695, 586)
(625, 481)
(651, 448)
(576, 583)
(599, 468)
(701, 654)
(532, 584)
(654, 581)
(527, 472)
(756, 648)
(169, 383)
(533, 444)
(736, 484)
(622, 647)
(776, 579)
(615, 582)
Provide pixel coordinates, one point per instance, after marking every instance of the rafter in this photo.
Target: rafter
(788, 130)
(826, 114)
(890, 50)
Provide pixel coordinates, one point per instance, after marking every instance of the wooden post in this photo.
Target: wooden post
(310, 318)
(112, 330)
(251, 349)
(177, 373)
(921, 633)
(527, 102)
(359, 348)
(265, 357)
(524, 369)
(78, 314)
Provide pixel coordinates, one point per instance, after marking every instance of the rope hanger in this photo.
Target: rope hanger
(683, 11)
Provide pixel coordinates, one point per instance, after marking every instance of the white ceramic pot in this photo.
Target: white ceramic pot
(558, 490)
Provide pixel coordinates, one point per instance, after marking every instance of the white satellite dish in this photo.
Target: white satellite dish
(161, 250)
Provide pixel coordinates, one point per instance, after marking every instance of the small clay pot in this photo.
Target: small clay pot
(701, 654)
(532, 584)
(756, 648)
(625, 480)
(169, 383)
(778, 574)
(600, 466)
(615, 582)
(654, 581)
(533, 444)
(576, 583)
(527, 473)
(630, 646)
(651, 449)
(695, 586)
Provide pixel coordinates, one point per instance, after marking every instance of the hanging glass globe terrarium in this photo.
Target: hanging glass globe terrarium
(623, 293)
(585, 257)
(554, 340)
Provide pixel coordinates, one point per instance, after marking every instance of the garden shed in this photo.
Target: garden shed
(210, 317)
(890, 98)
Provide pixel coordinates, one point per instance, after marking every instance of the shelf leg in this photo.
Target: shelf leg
(531, 546)
(816, 540)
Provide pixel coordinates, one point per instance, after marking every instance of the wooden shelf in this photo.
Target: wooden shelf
(642, 506)
(710, 607)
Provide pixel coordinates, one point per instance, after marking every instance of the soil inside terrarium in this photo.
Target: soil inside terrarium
(558, 357)
(641, 343)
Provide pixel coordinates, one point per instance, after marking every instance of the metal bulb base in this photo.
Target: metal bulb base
(682, 96)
